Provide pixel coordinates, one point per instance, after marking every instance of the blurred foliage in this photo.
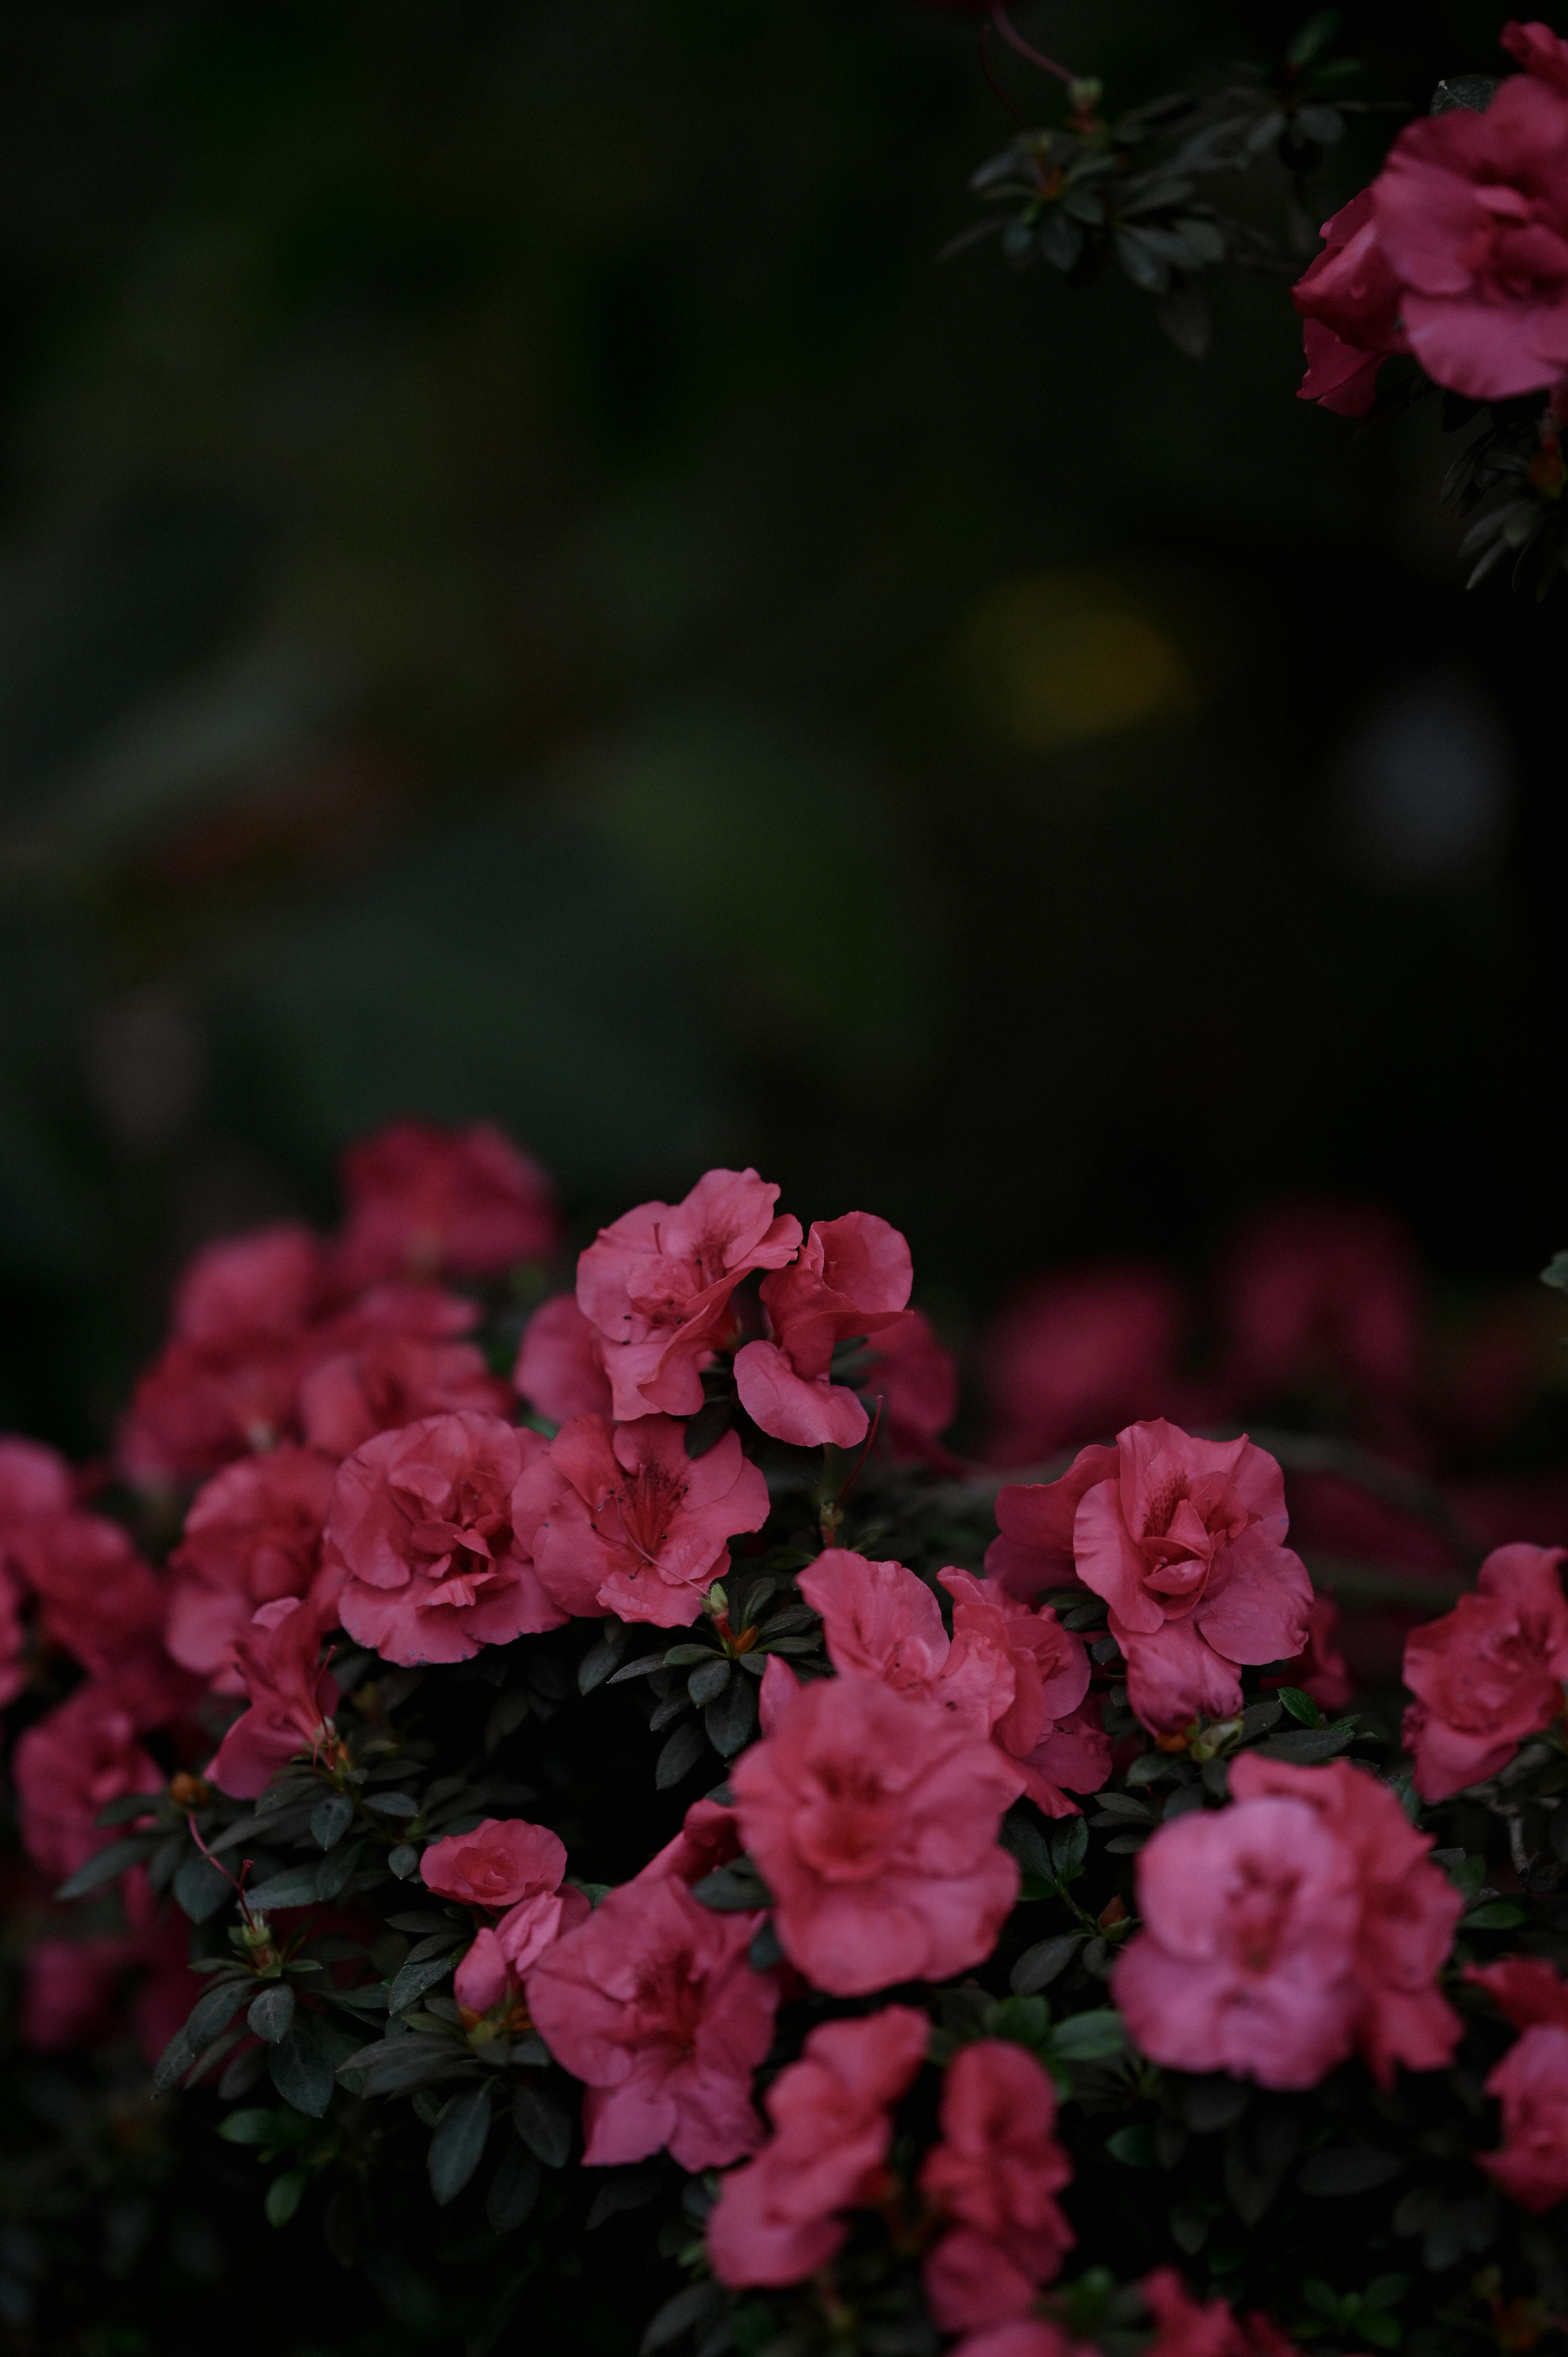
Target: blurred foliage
(526, 591)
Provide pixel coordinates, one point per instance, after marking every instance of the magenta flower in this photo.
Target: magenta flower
(653, 2003)
(656, 1286)
(253, 1535)
(559, 1369)
(430, 1202)
(852, 1278)
(781, 2218)
(291, 1695)
(995, 2174)
(71, 1764)
(1488, 1674)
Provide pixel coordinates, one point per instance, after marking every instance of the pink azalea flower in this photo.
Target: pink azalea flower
(621, 1520)
(1471, 211)
(253, 1535)
(1282, 1932)
(1488, 1674)
(1022, 2336)
(291, 1697)
(1077, 1354)
(97, 1597)
(709, 1837)
(996, 2173)
(656, 1286)
(1539, 50)
(852, 1278)
(71, 1764)
(36, 1490)
(559, 1369)
(1530, 2083)
(1525, 1988)
(780, 2219)
(1319, 1669)
(1350, 303)
(1315, 1291)
(70, 1987)
(653, 2003)
(1184, 1539)
(504, 1864)
(391, 1378)
(421, 1522)
(424, 1202)
(916, 1381)
(879, 1620)
(873, 1816)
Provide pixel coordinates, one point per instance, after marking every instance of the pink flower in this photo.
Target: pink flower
(1022, 2336)
(421, 1522)
(72, 1763)
(506, 1863)
(1488, 1674)
(918, 1382)
(1350, 302)
(1078, 1354)
(427, 1202)
(879, 1620)
(996, 2173)
(391, 1379)
(98, 1598)
(1539, 51)
(292, 1697)
(69, 1988)
(36, 1490)
(1315, 1291)
(621, 1520)
(1184, 1539)
(253, 1535)
(1282, 1930)
(1189, 2328)
(1525, 1989)
(780, 2219)
(872, 1816)
(709, 1837)
(653, 2003)
(1319, 1669)
(1530, 2083)
(559, 1369)
(656, 1286)
(852, 1278)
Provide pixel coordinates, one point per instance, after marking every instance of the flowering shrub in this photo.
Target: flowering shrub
(895, 1909)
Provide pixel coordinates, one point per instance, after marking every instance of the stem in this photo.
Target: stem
(997, 90)
(239, 1886)
(1015, 40)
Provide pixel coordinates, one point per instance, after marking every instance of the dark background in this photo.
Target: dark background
(525, 591)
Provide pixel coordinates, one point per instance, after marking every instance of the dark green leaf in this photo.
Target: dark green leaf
(764, 1950)
(1134, 2147)
(172, 2064)
(1501, 1915)
(106, 1864)
(1308, 1745)
(1338, 2170)
(679, 1756)
(200, 1887)
(731, 1720)
(402, 1861)
(393, 1805)
(457, 2145)
(513, 2192)
(1070, 1848)
(1556, 1273)
(255, 2127)
(686, 1656)
(294, 1887)
(708, 1680)
(708, 1427)
(270, 2015)
(624, 2189)
(601, 1657)
(543, 2126)
(415, 1979)
(1038, 1967)
(330, 1819)
(302, 2065)
(285, 2195)
(688, 2310)
(394, 2066)
(1301, 1705)
(215, 2010)
(1088, 2037)
(732, 1890)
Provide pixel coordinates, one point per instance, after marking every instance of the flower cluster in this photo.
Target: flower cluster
(680, 1767)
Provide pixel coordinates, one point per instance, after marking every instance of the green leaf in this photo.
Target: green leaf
(1337, 2171)
(708, 1680)
(732, 1890)
(1314, 36)
(1070, 1848)
(1500, 1915)
(395, 2066)
(601, 1658)
(285, 2195)
(731, 1720)
(688, 2310)
(457, 2145)
(273, 2012)
(1556, 1273)
(417, 1977)
(330, 1820)
(106, 1864)
(1088, 2037)
(1134, 2147)
(513, 2192)
(686, 1656)
(1308, 1747)
(294, 1887)
(215, 2009)
(1038, 1967)
(251, 2127)
(543, 2126)
(302, 2066)
(679, 1756)
(172, 2064)
(1301, 1705)
(202, 1888)
(402, 1861)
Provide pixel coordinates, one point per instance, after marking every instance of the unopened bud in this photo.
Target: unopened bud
(188, 1792)
(716, 1603)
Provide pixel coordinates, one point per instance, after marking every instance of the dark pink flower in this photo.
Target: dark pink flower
(559, 1369)
(430, 1202)
(1184, 1539)
(880, 1621)
(916, 1381)
(34, 1485)
(1078, 1355)
(1471, 211)
(253, 1535)
(1022, 2336)
(391, 1378)
(996, 2174)
(656, 1286)
(1350, 303)
(72, 1763)
(1046, 1727)
(1311, 1292)
(291, 1697)
(97, 1597)
(852, 1278)
(781, 2218)
(1185, 2327)
(621, 1520)
(709, 1837)
(1282, 1932)
(505, 1864)
(69, 1988)
(1530, 2083)
(1525, 1989)
(1539, 50)
(421, 1522)
(872, 1817)
(1319, 1669)
(1488, 1674)
(653, 2003)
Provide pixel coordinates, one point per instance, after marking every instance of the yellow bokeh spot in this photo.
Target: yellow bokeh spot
(1061, 658)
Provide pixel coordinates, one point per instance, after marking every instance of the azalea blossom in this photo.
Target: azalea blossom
(852, 1278)
(430, 1202)
(995, 2174)
(1488, 1674)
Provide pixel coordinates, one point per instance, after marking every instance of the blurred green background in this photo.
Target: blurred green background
(526, 591)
